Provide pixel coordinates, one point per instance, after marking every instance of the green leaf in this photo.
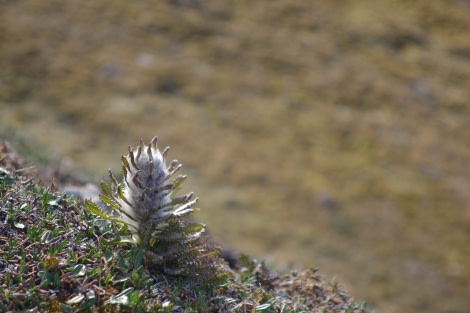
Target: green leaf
(65, 308)
(178, 181)
(124, 172)
(193, 228)
(263, 306)
(123, 263)
(78, 270)
(104, 226)
(90, 294)
(125, 162)
(91, 300)
(108, 255)
(24, 207)
(95, 209)
(137, 257)
(56, 280)
(76, 299)
(113, 179)
(106, 189)
(47, 237)
(119, 279)
(121, 195)
(179, 199)
(19, 225)
(134, 298)
(185, 208)
(86, 305)
(122, 240)
(121, 298)
(110, 201)
(54, 202)
(6, 177)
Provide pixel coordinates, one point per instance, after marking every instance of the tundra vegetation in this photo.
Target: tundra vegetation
(140, 253)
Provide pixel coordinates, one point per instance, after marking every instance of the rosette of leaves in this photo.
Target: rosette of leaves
(149, 214)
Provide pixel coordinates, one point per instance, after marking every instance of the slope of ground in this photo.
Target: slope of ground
(53, 259)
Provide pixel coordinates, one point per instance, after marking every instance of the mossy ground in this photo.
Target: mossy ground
(53, 259)
(332, 135)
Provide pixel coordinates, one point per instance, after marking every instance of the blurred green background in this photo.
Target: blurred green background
(330, 134)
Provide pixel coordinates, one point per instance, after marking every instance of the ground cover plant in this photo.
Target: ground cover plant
(56, 256)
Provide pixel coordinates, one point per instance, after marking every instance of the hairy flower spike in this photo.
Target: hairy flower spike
(144, 203)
